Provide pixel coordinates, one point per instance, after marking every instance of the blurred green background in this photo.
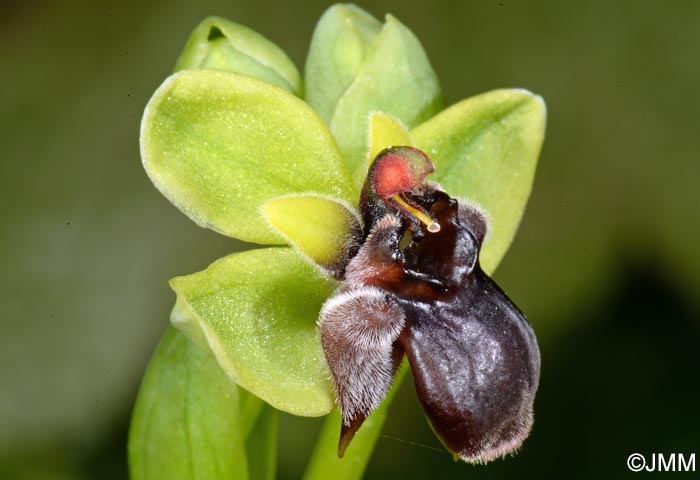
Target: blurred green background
(605, 265)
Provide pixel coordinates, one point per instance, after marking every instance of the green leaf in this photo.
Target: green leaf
(324, 461)
(319, 227)
(341, 41)
(396, 78)
(262, 445)
(257, 312)
(186, 423)
(225, 45)
(218, 145)
(485, 148)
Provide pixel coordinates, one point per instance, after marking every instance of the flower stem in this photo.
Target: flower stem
(324, 461)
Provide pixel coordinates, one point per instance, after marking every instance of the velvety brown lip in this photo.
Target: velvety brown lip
(416, 290)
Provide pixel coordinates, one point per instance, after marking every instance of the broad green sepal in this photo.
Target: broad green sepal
(319, 227)
(341, 41)
(395, 78)
(485, 148)
(186, 417)
(226, 45)
(219, 145)
(257, 311)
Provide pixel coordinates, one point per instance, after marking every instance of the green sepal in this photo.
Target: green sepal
(485, 148)
(186, 421)
(395, 78)
(341, 41)
(222, 44)
(218, 145)
(257, 311)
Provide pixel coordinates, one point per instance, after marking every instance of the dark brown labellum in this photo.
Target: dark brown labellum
(415, 287)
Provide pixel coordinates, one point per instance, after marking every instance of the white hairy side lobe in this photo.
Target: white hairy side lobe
(358, 329)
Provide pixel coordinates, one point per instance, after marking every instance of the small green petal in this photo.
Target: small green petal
(485, 148)
(186, 417)
(384, 131)
(318, 226)
(225, 45)
(257, 312)
(340, 43)
(396, 78)
(218, 145)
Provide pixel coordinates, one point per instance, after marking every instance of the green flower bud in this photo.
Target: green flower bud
(341, 41)
(357, 66)
(221, 44)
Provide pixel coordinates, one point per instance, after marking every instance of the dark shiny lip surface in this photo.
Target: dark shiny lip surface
(413, 291)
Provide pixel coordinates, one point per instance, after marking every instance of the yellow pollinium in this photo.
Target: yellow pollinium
(433, 226)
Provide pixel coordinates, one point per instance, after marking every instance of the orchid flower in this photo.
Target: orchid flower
(241, 145)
